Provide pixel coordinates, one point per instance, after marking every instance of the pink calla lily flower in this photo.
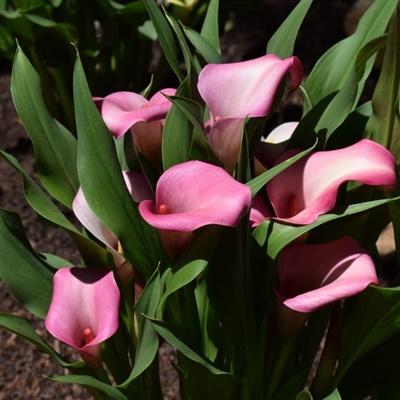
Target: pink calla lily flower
(312, 276)
(84, 310)
(123, 111)
(239, 90)
(191, 195)
(309, 187)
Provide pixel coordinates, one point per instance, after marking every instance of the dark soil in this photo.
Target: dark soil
(23, 370)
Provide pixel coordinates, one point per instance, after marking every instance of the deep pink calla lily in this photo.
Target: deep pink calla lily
(123, 111)
(84, 310)
(239, 90)
(309, 187)
(312, 276)
(194, 194)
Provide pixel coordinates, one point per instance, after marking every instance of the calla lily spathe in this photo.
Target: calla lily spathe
(312, 276)
(84, 310)
(308, 188)
(123, 111)
(194, 194)
(239, 90)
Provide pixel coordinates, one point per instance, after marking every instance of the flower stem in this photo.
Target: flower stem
(279, 366)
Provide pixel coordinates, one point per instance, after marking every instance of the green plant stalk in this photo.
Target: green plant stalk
(280, 363)
(329, 356)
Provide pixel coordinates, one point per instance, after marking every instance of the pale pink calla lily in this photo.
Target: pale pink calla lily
(312, 276)
(239, 90)
(308, 188)
(194, 194)
(84, 310)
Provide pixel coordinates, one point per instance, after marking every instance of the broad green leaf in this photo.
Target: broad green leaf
(178, 337)
(181, 278)
(147, 341)
(283, 40)
(352, 128)
(199, 148)
(278, 235)
(91, 252)
(208, 52)
(333, 396)
(165, 36)
(335, 66)
(104, 187)
(111, 391)
(55, 148)
(54, 261)
(187, 55)
(22, 328)
(347, 97)
(192, 111)
(210, 29)
(383, 126)
(372, 317)
(177, 135)
(25, 274)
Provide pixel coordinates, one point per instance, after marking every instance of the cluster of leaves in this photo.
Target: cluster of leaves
(216, 283)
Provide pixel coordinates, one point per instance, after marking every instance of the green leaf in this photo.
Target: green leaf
(208, 52)
(165, 36)
(210, 29)
(55, 147)
(113, 392)
(22, 328)
(383, 127)
(333, 396)
(54, 261)
(278, 235)
(257, 183)
(178, 337)
(192, 111)
(147, 340)
(177, 135)
(283, 40)
(347, 97)
(91, 252)
(372, 317)
(334, 67)
(104, 187)
(187, 55)
(26, 275)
